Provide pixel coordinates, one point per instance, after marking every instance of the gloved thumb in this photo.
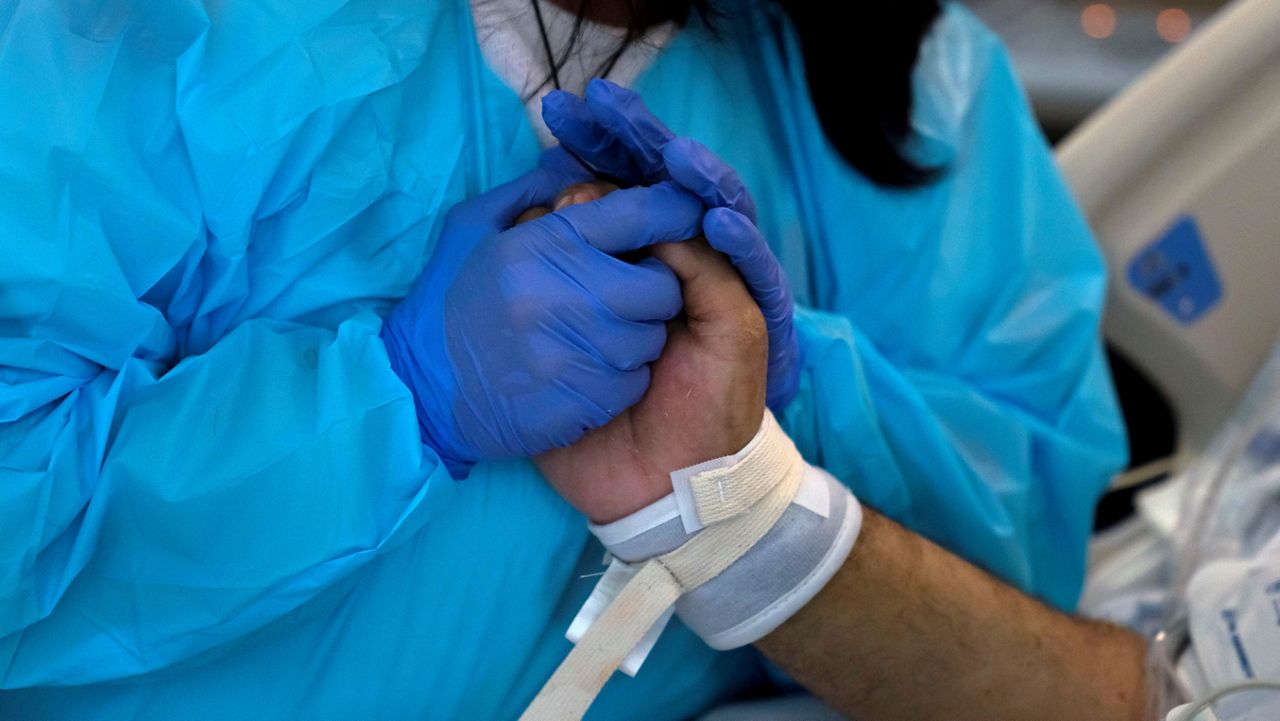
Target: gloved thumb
(497, 210)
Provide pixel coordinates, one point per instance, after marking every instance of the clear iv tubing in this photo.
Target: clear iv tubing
(1224, 691)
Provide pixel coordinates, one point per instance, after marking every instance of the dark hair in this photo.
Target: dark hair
(860, 82)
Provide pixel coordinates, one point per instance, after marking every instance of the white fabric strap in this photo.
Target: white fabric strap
(770, 472)
(579, 678)
(686, 482)
(615, 578)
(721, 493)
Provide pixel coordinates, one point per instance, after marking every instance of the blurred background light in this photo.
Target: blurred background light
(1174, 25)
(1098, 20)
(1074, 55)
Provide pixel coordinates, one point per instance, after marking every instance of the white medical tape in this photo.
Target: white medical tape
(814, 493)
(648, 596)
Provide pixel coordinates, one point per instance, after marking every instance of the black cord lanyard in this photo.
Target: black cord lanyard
(555, 80)
(546, 44)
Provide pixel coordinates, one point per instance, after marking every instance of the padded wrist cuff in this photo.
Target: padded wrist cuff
(769, 583)
(703, 545)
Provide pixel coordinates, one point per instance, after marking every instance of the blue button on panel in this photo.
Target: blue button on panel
(1176, 272)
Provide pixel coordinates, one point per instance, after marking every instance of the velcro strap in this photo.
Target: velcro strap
(722, 493)
(709, 553)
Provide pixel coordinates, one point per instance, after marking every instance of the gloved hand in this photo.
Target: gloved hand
(517, 340)
(614, 132)
(709, 506)
(705, 398)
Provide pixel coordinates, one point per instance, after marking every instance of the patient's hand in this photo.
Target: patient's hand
(705, 399)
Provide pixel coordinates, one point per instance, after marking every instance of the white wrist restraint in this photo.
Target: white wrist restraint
(731, 503)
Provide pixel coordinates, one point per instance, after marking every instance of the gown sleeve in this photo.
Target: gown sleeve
(199, 426)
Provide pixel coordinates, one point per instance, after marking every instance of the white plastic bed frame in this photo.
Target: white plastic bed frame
(1195, 141)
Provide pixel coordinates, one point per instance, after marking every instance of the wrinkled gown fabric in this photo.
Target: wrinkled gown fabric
(214, 500)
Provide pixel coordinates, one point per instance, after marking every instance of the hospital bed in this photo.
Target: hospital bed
(1180, 178)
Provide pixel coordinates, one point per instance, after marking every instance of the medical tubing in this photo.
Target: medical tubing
(1222, 692)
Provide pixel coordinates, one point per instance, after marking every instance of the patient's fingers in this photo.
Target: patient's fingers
(712, 289)
(573, 195)
(579, 193)
(533, 213)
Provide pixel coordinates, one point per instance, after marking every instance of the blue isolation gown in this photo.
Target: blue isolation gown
(213, 500)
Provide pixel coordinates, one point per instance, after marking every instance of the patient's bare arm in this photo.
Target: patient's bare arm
(905, 631)
(909, 632)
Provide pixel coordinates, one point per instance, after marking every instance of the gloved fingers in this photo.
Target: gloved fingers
(613, 123)
(732, 234)
(497, 209)
(623, 345)
(571, 325)
(695, 168)
(623, 114)
(611, 391)
(593, 396)
(578, 130)
(591, 302)
(632, 219)
(640, 292)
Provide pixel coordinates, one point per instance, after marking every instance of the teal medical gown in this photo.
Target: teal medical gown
(213, 498)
